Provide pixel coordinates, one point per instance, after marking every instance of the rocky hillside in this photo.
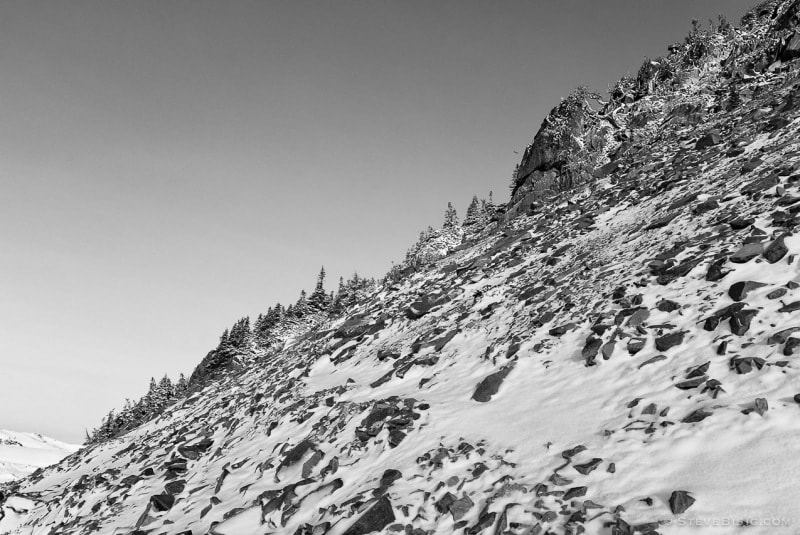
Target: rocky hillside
(616, 357)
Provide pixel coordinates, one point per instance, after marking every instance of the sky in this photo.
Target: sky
(167, 167)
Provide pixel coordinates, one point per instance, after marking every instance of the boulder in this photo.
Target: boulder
(374, 519)
(490, 385)
(162, 502)
(709, 140)
(680, 501)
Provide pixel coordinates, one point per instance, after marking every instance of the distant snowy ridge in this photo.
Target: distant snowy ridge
(22, 453)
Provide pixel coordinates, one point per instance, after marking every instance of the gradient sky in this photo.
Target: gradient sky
(169, 166)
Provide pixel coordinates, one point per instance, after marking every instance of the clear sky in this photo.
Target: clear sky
(169, 166)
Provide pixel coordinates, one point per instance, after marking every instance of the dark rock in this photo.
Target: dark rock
(162, 502)
(744, 365)
(590, 349)
(775, 251)
(460, 507)
(635, 345)
(761, 406)
(663, 343)
(390, 476)
(775, 294)
(572, 452)
(417, 309)
(574, 492)
(588, 467)
(709, 140)
(747, 252)
(782, 336)
(175, 487)
(561, 330)
(741, 223)
(740, 321)
(665, 305)
(653, 360)
(715, 272)
(698, 371)
(697, 416)
(739, 290)
(374, 519)
(791, 307)
(680, 501)
(353, 327)
(490, 385)
(692, 383)
(791, 344)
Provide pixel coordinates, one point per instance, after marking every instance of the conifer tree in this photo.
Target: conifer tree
(473, 214)
(319, 297)
(450, 217)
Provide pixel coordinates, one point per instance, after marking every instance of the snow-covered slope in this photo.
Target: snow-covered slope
(22, 453)
(618, 359)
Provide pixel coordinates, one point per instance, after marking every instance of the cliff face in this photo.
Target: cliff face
(586, 137)
(619, 359)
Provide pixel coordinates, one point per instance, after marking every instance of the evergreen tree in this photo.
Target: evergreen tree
(319, 297)
(301, 307)
(450, 217)
(181, 386)
(473, 215)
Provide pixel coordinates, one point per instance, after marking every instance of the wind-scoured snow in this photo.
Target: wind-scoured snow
(22, 453)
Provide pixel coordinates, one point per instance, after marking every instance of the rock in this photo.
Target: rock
(796, 398)
(791, 344)
(561, 330)
(590, 349)
(739, 290)
(374, 519)
(175, 487)
(588, 467)
(572, 452)
(747, 252)
(697, 416)
(791, 307)
(680, 501)
(444, 503)
(692, 383)
(353, 327)
(574, 492)
(740, 321)
(761, 406)
(775, 294)
(490, 385)
(162, 502)
(741, 223)
(665, 305)
(782, 336)
(653, 360)
(663, 343)
(417, 309)
(775, 251)
(635, 345)
(461, 507)
(559, 480)
(712, 138)
(744, 365)
(698, 371)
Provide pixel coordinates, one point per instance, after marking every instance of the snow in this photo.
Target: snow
(22, 453)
